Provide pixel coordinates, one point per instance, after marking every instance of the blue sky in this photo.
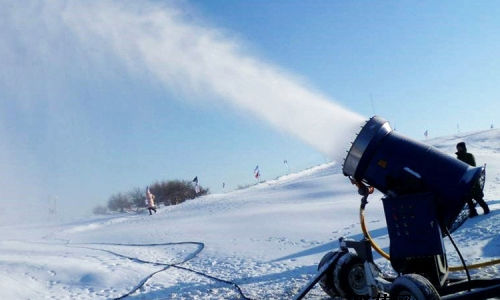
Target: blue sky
(78, 123)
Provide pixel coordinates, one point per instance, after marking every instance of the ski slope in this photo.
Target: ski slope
(263, 242)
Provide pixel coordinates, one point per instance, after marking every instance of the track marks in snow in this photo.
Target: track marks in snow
(149, 254)
(170, 260)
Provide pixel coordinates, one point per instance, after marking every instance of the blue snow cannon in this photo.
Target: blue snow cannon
(424, 190)
(391, 162)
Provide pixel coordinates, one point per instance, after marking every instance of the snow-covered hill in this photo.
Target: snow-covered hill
(262, 242)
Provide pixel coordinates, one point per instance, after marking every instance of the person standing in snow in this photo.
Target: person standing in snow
(476, 193)
(150, 201)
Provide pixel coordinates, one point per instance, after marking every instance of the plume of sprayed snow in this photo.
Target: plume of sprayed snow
(198, 59)
(48, 46)
(195, 60)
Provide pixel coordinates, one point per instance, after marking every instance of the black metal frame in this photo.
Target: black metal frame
(454, 289)
(318, 276)
(479, 289)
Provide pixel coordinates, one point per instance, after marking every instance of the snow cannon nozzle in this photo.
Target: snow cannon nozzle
(374, 129)
(391, 162)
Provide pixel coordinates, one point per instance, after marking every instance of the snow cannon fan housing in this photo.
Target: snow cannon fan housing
(390, 161)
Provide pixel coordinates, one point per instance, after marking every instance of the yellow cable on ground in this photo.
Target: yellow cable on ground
(476, 266)
(386, 256)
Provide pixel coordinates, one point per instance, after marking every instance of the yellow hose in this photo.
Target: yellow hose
(368, 236)
(476, 266)
(386, 256)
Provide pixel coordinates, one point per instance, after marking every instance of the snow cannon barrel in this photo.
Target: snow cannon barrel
(390, 161)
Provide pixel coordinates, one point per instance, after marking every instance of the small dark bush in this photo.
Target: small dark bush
(119, 202)
(175, 192)
(138, 197)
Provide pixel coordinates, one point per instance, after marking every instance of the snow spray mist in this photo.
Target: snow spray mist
(163, 41)
(199, 59)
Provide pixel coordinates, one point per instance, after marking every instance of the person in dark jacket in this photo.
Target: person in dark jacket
(476, 193)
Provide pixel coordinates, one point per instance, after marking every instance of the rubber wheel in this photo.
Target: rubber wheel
(413, 287)
(349, 277)
(326, 282)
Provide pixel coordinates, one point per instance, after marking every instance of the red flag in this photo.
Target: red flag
(256, 172)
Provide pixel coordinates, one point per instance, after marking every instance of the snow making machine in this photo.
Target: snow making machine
(424, 193)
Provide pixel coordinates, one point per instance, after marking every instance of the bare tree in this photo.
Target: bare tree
(119, 202)
(137, 197)
(175, 191)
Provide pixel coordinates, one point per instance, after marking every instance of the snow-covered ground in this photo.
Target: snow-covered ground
(263, 242)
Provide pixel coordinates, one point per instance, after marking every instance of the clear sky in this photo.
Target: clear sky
(81, 117)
